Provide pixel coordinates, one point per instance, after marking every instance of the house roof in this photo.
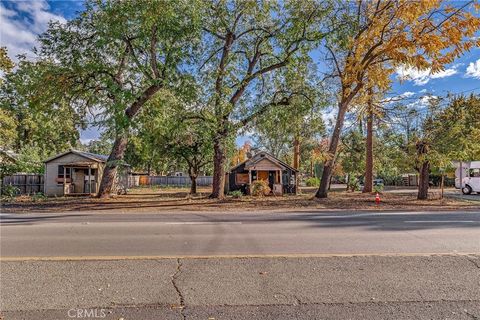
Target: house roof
(87, 155)
(264, 155)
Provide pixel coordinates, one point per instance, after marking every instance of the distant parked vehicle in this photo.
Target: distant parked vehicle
(376, 183)
(467, 176)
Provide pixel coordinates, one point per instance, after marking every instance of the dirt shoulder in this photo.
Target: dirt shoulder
(163, 200)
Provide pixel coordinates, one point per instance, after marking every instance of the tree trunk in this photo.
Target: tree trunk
(442, 186)
(311, 168)
(193, 187)
(422, 150)
(296, 161)
(219, 158)
(368, 186)
(110, 170)
(322, 191)
(423, 181)
(296, 153)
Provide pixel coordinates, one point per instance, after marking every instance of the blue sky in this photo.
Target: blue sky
(22, 21)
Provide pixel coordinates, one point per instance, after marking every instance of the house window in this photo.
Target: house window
(241, 178)
(68, 172)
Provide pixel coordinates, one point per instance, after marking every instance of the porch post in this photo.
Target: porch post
(64, 180)
(249, 176)
(280, 172)
(89, 181)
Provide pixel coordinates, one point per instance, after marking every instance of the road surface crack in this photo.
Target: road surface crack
(474, 261)
(474, 317)
(297, 302)
(177, 289)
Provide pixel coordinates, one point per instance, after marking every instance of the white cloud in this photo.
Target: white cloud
(422, 103)
(425, 100)
(397, 98)
(19, 28)
(407, 94)
(329, 115)
(473, 70)
(422, 77)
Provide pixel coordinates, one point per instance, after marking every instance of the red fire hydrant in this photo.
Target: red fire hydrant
(377, 198)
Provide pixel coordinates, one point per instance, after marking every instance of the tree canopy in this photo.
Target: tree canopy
(171, 84)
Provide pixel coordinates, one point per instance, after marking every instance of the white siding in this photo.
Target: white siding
(52, 188)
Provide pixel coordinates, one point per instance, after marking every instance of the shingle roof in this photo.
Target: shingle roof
(88, 155)
(258, 156)
(100, 157)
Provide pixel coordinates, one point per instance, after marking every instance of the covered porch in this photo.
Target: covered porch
(280, 176)
(272, 176)
(83, 179)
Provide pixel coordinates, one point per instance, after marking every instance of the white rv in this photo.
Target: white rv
(467, 176)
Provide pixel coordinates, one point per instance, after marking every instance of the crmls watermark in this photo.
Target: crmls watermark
(93, 313)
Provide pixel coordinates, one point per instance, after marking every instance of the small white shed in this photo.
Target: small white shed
(78, 173)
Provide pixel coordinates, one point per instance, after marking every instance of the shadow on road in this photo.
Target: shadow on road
(31, 219)
(388, 222)
(370, 220)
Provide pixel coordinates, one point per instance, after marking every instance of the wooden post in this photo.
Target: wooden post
(89, 181)
(443, 181)
(461, 176)
(64, 181)
(281, 181)
(249, 176)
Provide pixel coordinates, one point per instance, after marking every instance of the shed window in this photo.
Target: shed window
(68, 172)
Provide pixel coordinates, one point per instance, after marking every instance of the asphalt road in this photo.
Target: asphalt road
(211, 234)
(300, 265)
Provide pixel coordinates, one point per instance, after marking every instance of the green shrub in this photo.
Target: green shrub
(259, 188)
(10, 191)
(237, 194)
(378, 188)
(353, 184)
(312, 182)
(38, 197)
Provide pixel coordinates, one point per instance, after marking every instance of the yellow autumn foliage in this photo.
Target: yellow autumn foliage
(425, 34)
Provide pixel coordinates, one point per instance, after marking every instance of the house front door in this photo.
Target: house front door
(262, 175)
(78, 176)
(90, 185)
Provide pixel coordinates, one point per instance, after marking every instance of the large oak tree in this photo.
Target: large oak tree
(116, 56)
(372, 38)
(247, 43)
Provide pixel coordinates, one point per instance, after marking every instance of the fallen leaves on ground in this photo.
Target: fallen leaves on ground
(160, 200)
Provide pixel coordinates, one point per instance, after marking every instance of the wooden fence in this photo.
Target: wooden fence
(30, 184)
(26, 183)
(175, 181)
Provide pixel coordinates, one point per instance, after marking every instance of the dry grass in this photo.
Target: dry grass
(174, 199)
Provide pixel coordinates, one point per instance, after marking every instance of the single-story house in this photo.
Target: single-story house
(281, 177)
(79, 173)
